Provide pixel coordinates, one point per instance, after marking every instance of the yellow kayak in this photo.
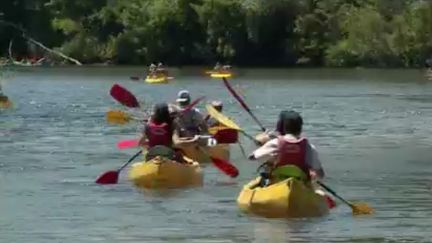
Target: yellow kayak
(162, 173)
(157, 79)
(5, 104)
(200, 154)
(289, 198)
(220, 75)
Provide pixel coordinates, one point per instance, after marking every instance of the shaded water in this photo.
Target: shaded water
(372, 128)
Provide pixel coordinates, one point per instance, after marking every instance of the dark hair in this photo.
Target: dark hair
(161, 114)
(289, 122)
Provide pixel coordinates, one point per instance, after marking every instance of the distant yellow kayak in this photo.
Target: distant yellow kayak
(289, 198)
(157, 80)
(221, 75)
(162, 173)
(5, 104)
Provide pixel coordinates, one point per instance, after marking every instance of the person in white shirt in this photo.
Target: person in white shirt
(289, 154)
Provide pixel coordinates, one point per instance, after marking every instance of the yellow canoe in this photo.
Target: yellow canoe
(221, 75)
(196, 153)
(157, 79)
(289, 198)
(5, 104)
(162, 173)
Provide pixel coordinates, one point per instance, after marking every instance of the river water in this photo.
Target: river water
(372, 128)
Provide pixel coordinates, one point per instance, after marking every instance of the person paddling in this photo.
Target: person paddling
(3, 97)
(290, 154)
(152, 70)
(160, 70)
(157, 133)
(217, 67)
(188, 125)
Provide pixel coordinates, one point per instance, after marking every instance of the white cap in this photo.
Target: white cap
(183, 96)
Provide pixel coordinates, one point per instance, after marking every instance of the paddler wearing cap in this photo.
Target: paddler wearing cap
(289, 154)
(190, 124)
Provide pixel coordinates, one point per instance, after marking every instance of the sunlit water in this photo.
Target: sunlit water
(372, 127)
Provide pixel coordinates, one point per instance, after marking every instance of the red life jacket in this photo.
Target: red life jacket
(293, 152)
(158, 134)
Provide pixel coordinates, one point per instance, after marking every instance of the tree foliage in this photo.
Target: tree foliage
(245, 32)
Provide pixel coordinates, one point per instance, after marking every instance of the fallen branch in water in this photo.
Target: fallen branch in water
(30, 39)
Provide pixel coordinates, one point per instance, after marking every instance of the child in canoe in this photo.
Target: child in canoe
(289, 154)
(220, 132)
(157, 134)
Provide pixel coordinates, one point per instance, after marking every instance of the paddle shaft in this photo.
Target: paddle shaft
(226, 163)
(129, 161)
(242, 103)
(334, 193)
(249, 136)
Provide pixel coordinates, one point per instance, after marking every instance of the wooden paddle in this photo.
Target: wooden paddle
(111, 177)
(242, 103)
(357, 208)
(120, 117)
(117, 117)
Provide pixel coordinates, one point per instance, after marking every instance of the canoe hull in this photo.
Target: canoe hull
(286, 199)
(157, 80)
(161, 173)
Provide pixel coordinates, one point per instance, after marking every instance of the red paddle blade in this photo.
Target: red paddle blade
(226, 136)
(124, 96)
(125, 144)
(330, 202)
(225, 167)
(109, 177)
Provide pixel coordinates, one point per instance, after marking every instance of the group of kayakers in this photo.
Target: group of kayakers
(172, 126)
(285, 151)
(157, 71)
(160, 70)
(221, 68)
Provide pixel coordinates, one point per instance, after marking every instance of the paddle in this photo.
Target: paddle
(117, 117)
(357, 208)
(124, 96)
(223, 165)
(111, 177)
(130, 143)
(120, 117)
(227, 122)
(242, 103)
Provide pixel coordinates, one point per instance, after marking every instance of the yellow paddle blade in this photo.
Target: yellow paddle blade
(361, 208)
(221, 118)
(117, 117)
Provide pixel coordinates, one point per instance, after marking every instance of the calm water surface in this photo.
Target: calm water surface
(372, 127)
